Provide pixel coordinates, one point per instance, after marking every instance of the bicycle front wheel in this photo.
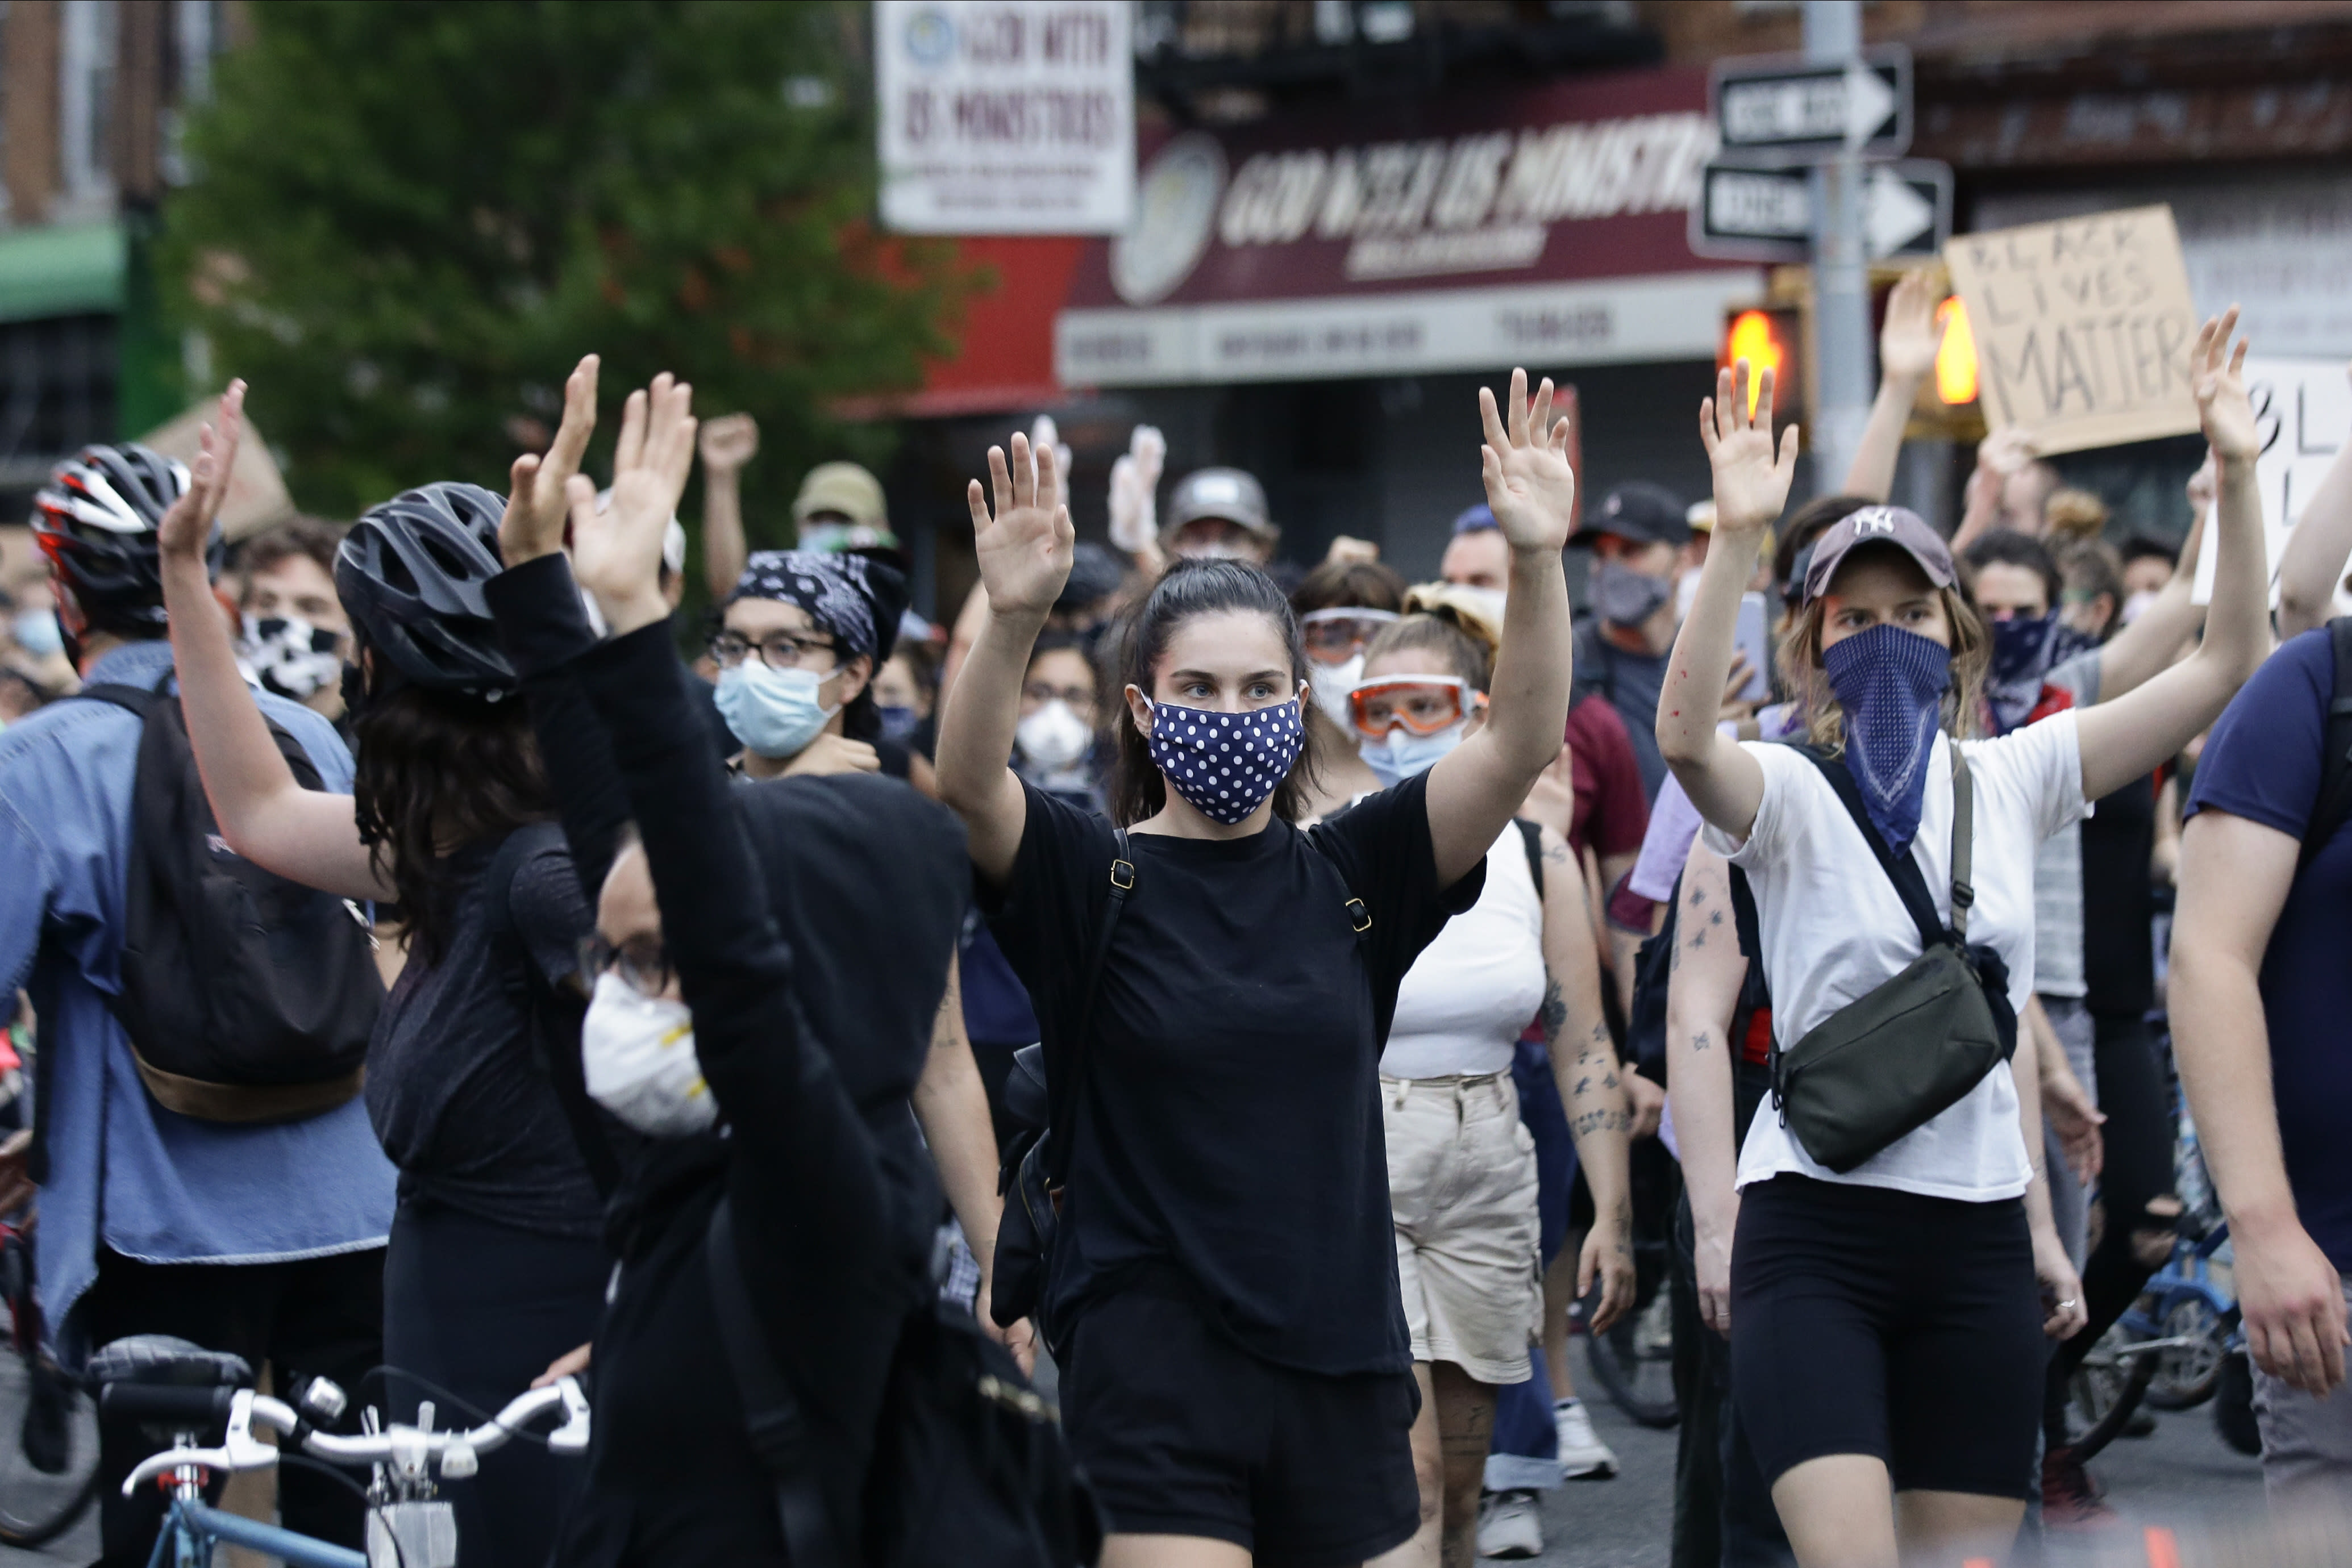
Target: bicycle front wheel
(48, 1458)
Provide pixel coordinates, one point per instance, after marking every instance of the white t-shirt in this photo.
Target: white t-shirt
(1834, 929)
(1472, 993)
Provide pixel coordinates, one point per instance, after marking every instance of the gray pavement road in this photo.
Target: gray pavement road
(2183, 1479)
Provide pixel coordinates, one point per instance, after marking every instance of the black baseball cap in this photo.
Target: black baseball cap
(1640, 511)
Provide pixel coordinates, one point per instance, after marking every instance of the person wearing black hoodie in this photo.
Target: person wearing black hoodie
(759, 919)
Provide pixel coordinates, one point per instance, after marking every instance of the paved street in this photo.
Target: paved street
(2183, 1478)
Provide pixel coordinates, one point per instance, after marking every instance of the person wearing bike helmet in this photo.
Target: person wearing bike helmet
(497, 1264)
(1462, 1186)
(1223, 1280)
(264, 1240)
(1888, 1316)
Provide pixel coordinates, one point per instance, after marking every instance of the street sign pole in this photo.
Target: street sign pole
(1841, 275)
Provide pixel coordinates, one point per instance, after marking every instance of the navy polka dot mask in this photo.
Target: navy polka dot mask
(1226, 764)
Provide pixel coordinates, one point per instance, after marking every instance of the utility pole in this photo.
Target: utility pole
(1841, 274)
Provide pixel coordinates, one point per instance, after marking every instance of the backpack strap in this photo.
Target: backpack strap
(1902, 870)
(2333, 804)
(1122, 883)
(565, 1070)
(772, 1413)
(1533, 836)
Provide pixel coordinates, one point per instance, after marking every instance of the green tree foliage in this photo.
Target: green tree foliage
(410, 219)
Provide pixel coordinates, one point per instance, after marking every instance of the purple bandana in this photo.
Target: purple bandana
(1891, 683)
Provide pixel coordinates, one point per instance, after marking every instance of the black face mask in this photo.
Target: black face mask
(356, 693)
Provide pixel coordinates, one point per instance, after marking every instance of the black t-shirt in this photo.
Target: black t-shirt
(2119, 902)
(458, 1093)
(1231, 1126)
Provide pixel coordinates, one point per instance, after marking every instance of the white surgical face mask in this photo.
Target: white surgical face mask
(1400, 754)
(1054, 737)
(2136, 605)
(637, 1055)
(1685, 594)
(1329, 685)
(1489, 600)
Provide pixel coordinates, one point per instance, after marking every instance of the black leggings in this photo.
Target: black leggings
(2139, 1136)
(1868, 1321)
(481, 1308)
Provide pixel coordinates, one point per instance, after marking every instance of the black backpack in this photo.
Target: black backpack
(2333, 804)
(968, 1466)
(248, 997)
(1646, 1030)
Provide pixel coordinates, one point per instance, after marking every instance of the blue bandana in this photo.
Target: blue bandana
(1891, 683)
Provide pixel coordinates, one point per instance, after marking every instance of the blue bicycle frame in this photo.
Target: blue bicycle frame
(193, 1528)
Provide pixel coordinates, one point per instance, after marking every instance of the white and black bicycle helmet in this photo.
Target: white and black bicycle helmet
(96, 520)
(410, 574)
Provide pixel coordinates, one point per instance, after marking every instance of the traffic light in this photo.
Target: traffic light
(1956, 357)
(1769, 336)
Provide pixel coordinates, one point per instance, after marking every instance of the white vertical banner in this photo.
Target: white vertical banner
(2303, 408)
(1005, 116)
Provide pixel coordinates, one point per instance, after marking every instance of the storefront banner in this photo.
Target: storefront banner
(2083, 327)
(1419, 234)
(2304, 409)
(1541, 326)
(1005, 117)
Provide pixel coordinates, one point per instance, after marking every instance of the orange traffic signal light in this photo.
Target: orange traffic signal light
(1956, 357)
(1768, 339)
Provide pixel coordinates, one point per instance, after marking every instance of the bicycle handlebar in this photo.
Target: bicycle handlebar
(194, 1407)
(413, 1451)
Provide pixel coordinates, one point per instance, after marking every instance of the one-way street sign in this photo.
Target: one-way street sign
(1767, 214)
(1779, 109)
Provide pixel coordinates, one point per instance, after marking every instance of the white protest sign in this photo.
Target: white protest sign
(2303, 409)
(1001, 117)
(2083, 327)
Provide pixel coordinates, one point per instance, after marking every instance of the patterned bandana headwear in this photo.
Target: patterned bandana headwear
(1226, 764)
(1891, 683)
(837, 591)
(2025, 649)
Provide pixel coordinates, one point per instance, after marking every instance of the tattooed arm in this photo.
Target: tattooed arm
(1592, 1086)
(1704, 978)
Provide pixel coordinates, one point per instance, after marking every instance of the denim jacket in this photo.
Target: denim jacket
(124, 1173)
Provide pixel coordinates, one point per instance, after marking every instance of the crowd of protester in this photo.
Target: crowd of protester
(1258, 997)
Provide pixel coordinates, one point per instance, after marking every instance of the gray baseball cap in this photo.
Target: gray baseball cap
(1227, 493)
(1896, 525)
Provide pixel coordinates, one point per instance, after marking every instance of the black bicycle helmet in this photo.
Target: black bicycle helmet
(96, 520)
(410, 574)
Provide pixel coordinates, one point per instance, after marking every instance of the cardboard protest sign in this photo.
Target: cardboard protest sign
(2083, 327)
(2303, 409)
(257, 499)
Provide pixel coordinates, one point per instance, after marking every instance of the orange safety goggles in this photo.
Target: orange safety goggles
(1333, 636)
(1423, 705)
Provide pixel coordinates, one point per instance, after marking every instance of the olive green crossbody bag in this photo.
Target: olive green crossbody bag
(1913, 1046)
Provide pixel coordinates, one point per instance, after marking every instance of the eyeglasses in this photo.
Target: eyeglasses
(783, 650)
(1043, 692)
(1424, 704)
(642, 962)
(1333, 636)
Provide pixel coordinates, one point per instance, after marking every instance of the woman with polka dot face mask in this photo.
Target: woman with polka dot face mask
(1223, 1287)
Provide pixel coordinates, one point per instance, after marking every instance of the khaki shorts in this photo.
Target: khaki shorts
(1461, 1191)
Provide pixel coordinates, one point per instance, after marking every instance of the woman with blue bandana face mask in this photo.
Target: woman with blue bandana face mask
(1912, 1277)
(1223, 1234)
(1463, 1185)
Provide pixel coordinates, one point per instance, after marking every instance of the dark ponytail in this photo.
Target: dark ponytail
(1191, 588)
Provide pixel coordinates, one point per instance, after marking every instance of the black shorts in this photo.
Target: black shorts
(1184, 1433)
(1866, 1320)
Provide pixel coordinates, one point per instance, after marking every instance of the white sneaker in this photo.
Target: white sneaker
(1583, 1457)
(1510, 1525)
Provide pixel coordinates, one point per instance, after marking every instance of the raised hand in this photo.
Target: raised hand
(729, 441)
(1751, 482)
(187, 523)
(536, 506)
(2218, 375)
(1529, 486)
(617, 552)
(1134, 486)
(1026, 548)
(1909, 336)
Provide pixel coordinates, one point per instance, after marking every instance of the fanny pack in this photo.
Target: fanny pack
(1895, 1058)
